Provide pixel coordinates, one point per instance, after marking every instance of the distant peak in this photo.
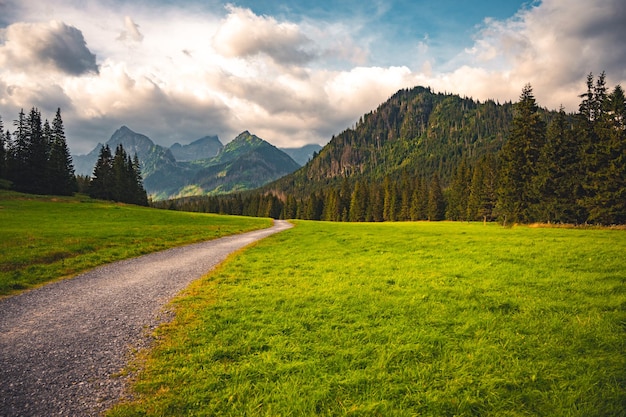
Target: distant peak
(123, 129)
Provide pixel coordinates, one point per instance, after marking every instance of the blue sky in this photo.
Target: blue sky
(292, 72)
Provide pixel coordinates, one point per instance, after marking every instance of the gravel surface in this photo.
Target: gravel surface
(62, 344)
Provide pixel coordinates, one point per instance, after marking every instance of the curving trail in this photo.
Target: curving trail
(61, 343)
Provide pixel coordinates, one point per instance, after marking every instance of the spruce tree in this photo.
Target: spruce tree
(358, 203)
(62, 179)
(3, 151)
(559, 175)
(520, 154)
(483, 189)
(140, 196)
(436, 201)
(459, 192)
(605, 157)
(16, 156)
(33, 179)
(102, 180)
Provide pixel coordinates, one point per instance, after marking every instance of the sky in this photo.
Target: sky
(291, 72)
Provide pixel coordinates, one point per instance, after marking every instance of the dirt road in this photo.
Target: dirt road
(60, 344)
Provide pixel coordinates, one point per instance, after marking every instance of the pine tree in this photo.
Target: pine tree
(520, 154)
(62, 180)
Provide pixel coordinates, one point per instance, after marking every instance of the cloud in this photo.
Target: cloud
(50, 46)
(244, 34)
(291, 81)
(552, 45)
(131, 32)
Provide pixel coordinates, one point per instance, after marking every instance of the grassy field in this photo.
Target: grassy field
(44, 238)
(404, 319)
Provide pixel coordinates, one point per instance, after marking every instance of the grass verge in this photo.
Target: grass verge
(44, 238)
(404, 319)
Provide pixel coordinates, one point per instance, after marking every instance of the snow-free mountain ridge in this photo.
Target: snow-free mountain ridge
(203, 167)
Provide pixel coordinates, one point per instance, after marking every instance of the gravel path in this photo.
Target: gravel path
(61, 343)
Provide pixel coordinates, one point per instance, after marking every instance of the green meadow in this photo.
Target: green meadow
(398, 319)
(45, 238)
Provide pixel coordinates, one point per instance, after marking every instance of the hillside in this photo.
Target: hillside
(245, 163)
(415, 131)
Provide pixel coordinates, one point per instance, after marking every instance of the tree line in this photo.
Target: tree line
(117, 177)
(35, 159)
(566, 168)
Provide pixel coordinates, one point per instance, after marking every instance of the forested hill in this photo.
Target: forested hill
(427, 156)
(416, 131)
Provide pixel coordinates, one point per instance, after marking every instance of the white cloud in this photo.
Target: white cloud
(552, 45)
(244, 34)
(180, 74)
(131, 32)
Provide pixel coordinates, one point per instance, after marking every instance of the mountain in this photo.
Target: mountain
(246, 162)
(134, 143)
(206, 147)
(416, 131)
(304, 154)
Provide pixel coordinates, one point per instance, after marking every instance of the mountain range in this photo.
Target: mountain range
(204, 166)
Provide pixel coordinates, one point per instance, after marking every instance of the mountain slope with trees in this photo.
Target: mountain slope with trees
(430, 156)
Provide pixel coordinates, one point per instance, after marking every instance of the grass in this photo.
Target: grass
(44, 238)
(404, 319)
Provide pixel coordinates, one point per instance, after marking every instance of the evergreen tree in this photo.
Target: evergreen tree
(290, 208)
(483, 190)
(376, 204)
(8, 155)
(358, 203)
(102, 180)
(436, 202)
(33, 179)
(390, 202)
(140, 196)
(520, 154)
(3, 151)
(331, 210)
(559, 178)
(62, 180)
(459, 192)
(405, 194)
(605, 157)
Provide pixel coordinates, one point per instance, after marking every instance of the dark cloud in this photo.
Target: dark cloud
(33, 46)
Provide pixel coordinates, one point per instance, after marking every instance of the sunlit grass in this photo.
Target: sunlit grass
(44, 238)
(429, 319)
